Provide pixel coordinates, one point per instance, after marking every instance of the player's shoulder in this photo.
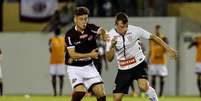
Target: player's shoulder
(132, 27)
(112, 32)
(91, 26)
(61, 37)
(70, 31)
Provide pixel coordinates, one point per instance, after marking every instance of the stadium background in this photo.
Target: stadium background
(26, 57)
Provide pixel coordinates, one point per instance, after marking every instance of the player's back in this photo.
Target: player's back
(198, 49)
(57, 50)
(157, 54)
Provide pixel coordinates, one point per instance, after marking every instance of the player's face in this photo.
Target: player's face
(121, 27)
(81, 21)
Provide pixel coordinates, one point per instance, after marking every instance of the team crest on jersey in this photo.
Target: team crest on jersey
(74, 80)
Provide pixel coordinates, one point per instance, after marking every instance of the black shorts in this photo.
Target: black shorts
(125, 78)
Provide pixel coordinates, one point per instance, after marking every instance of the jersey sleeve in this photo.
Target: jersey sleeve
(50, 42)
(69, 40)
(94, 28)
(143, 33)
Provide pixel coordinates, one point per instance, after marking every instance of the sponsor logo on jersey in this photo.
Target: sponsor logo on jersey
(83, 36)
(127, 62)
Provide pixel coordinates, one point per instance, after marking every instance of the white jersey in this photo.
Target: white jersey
(128, 50)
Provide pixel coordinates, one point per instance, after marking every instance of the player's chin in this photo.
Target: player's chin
(83, 27)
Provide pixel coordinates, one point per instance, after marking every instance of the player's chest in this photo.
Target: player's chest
(126, 40)
(84, 38)
(57, 42)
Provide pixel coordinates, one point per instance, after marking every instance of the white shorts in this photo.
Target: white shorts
(1, 73)
(158, 70)
(57, 69)
(87, 75)
(198, 68)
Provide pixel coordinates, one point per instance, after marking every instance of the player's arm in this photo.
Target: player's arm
(194, 43)
(100, 32)
(169, 50)
(75, 55)
(111, 50)
(49, 43)
(69, 40)
(103, 35)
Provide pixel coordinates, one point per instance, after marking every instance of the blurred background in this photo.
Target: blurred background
(27, 25)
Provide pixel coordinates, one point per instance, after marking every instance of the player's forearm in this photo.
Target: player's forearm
(110, 54)
(103, 35)
(160, 42)
(76, 55)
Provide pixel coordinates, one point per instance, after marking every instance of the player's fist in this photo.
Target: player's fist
(94, 53)
(172, 53)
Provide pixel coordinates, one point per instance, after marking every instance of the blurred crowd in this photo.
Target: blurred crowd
(105, 8)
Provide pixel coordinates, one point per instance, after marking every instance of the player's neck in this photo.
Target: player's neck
(79, 29)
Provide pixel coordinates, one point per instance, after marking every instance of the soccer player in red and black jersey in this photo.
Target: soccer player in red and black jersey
(82, 49)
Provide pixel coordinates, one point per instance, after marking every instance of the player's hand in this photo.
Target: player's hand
(172, 53)
(114, 42)
(105, 37)
(70, 60)
(94, 53)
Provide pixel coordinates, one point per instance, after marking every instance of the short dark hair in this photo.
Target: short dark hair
(57, 31)
(81, 11)
(121, 17)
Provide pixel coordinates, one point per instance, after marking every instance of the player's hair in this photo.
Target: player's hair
(81, 11)
(121, 17)
(57, 31)
(0, 51)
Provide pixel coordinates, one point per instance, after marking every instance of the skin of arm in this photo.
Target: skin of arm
(103, 35)
(110, 53)
(75, 55)
(169, 50)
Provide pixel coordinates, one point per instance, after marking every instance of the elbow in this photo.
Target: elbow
(73, 56)
(110, 59)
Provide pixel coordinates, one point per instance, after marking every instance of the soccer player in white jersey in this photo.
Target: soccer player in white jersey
(1, 82)
(125, 44)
